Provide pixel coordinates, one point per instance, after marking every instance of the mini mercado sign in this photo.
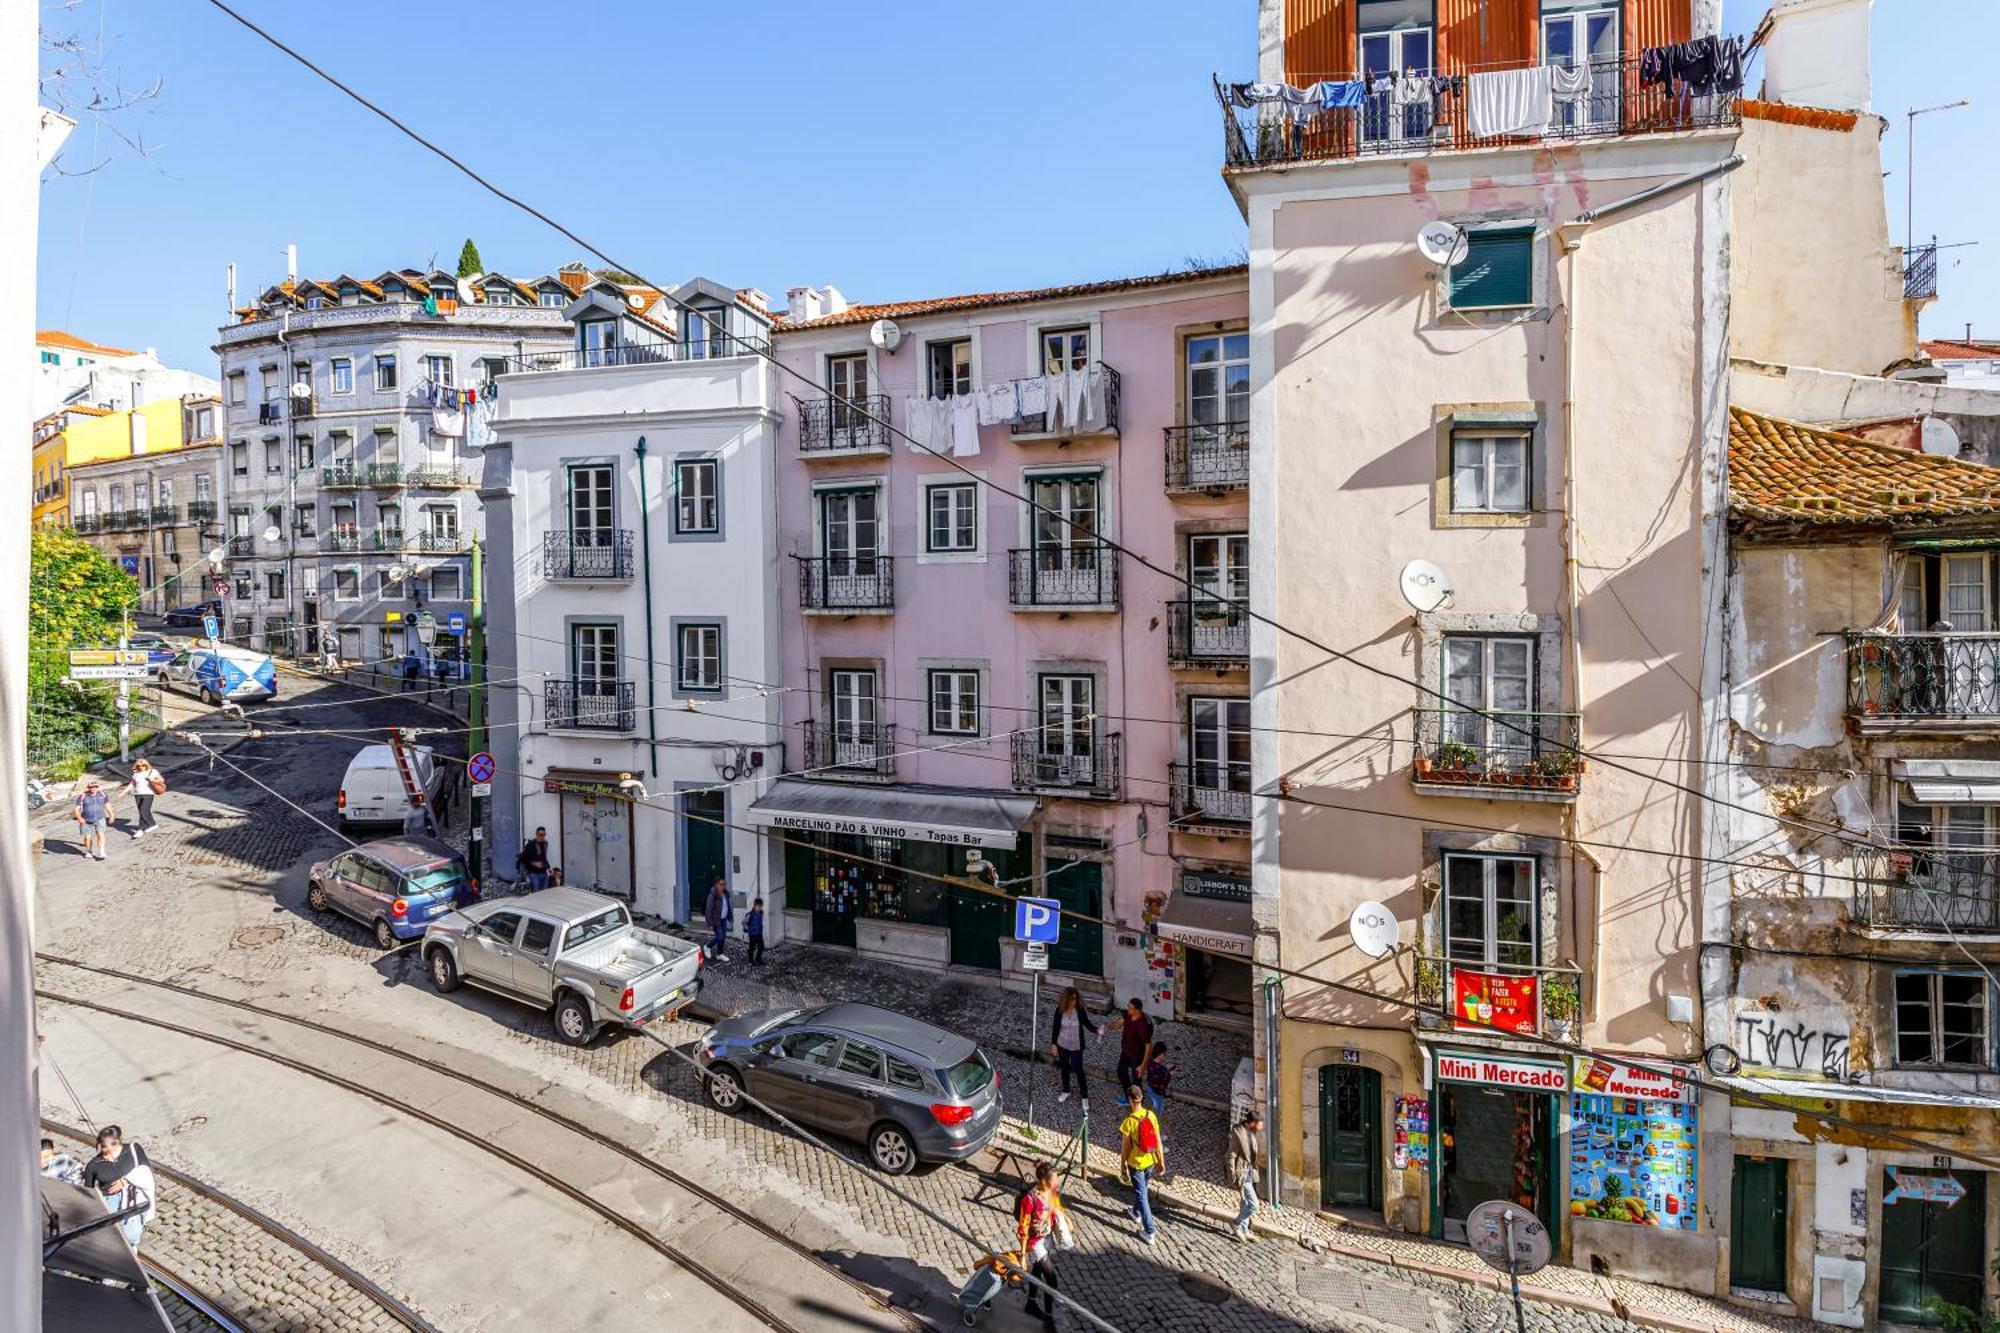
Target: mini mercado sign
(1613, 1079)
(1501, 1072)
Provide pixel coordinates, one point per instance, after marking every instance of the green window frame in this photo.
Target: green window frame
(1498, 271)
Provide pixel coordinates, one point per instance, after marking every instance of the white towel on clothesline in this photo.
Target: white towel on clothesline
(1510, 101)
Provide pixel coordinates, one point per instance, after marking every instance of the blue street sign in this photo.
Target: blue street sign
(210, 627)
(1037, 920)
(455, 623)
(480, 767)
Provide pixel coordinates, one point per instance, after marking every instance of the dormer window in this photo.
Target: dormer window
(555, 299)
(597, 341)
(704, 329)
(499, 296)
(315, 302)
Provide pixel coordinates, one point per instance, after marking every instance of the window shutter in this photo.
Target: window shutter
(1498, 270)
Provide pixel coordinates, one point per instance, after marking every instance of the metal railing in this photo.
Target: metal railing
(200, 511)
(1063, 576)
(339, 475)
(588, 705)
(1925, 888)
(714, 348)
(1106, 424)
(1068, 760)
(1498, 749)
(383, 474)
(438, 543)
(342, 539)
(388, 539)
(1615, 104)
(1923, 676)
(847, 583)
(834, 425)
(1208, 457)
(241, 545)
(1480, 997)
(850, 750)
(163, 515)
(1208, 631)
(86, 523)
(1209, 793)
(302, 405)
(590, 553)
(434, 475)
(117, 520)
(1920, 272)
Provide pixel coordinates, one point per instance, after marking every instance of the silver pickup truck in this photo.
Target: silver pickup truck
(566, 949)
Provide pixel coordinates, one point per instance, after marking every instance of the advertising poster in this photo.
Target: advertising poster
(1483, 999)
(1633, 1160)
(1413, 1133)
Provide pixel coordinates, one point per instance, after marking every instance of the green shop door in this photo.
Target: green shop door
(1350, 1137)
(1080, 890)
(704, 849)
(1758, 1224)
(1933, 1245)
(978, 922)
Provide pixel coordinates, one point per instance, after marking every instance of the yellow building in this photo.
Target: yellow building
(80, 434)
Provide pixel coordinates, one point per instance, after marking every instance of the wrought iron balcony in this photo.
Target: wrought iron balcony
(851, 750)
(242, 545)
(200, 511)
(716, 347)
(1208, 632)
(340, 475)
(383, 474)
(86, 523)
(435, 476)
(588, 705)
(1208, 457)
(303, 405)
(1466, 752)
(1209, 794)
(1921, 888)
(835, 425)
(1063, 578)
(591, 554)
(1615, 104)
(847, 583)
(388, 539)
(1066, 425)
(438, 543)
(117, 520)
(1920, 272)
(1063, 760)
(341, 539)
(163, 516)
(1471, 995)
(1924, 682)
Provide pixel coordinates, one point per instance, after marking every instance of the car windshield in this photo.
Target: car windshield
(969, 1075)
(588, 929)
(447, 878)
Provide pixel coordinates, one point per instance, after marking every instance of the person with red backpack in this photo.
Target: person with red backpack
(1143, 1154)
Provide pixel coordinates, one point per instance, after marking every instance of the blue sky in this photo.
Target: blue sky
(914, 150)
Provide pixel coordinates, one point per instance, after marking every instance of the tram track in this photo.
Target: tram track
(732, 1291)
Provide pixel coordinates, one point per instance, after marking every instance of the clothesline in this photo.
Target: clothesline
(1076, 400)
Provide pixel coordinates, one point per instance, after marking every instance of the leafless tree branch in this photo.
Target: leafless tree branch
(77, 79)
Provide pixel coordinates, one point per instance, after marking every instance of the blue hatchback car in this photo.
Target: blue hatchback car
(393, 886)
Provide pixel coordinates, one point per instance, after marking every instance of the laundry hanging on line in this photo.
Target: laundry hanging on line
(1702, 67)
(1510, 101)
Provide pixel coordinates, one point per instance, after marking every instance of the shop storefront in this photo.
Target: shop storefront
(593, 832)
(1209, 916)
(1496, 1119)
(1633, 1147)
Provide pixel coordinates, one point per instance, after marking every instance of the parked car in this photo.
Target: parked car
(221, 673)
(568, 950)
(394, 886)
(371, 791)
(159, 649)
(189, 617)
(908, 1090)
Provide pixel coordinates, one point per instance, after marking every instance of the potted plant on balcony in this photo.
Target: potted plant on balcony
(1556, 770)
(1559, 1004)
(1453, 761)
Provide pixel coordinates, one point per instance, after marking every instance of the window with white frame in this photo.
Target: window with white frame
(951, 517)
(204, 486)
(1490, 917)
(1967, 606)
(1948, 874)
(441, 521)
(438, 369)
(597, 341)
(269, 376)
(1219, 567)
(1490, 680)
(1219, 744)
(698, 658)
(86, 502)
(1218, 379)
(1065, 349)
(590, 504)
(1489, 472)
(1913, 606)
(385, 373)
(308, 580)
(1943, 1020)
(851, 701)
(165, 498)
(695, 495)
(303, 520)
(950, 367)
(239, 459)
(341, 374)
(555, 299)
(954, 698)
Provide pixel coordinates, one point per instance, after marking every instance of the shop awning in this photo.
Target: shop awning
(913, 814)
(1215, 924)
(1949, 781)
(1799, 1089)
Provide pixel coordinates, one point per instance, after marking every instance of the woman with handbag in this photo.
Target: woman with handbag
(146, 784)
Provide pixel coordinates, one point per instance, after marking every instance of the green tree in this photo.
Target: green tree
(468, 259)
(76, 595)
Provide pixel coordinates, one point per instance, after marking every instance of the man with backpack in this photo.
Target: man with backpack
(1143, 1154)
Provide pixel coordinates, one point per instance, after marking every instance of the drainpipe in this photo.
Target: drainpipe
(646, 554)
(1272, 1000)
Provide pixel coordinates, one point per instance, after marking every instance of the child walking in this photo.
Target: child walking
(753, 931)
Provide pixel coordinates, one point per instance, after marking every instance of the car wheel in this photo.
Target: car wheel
(384, 937)
(572, 1020)
(444, 972)
(209, 697)
(316, 897)
(724, 1088)
(889, 1147)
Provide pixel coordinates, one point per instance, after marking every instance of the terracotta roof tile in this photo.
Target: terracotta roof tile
(1785, 113)
(57, 338)
(1791, 473)
(868, 314)
(1961, 349)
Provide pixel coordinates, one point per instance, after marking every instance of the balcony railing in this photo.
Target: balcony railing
(1615, 104)
(1920, 272)
(1074, 421)
(117, 520)
(1532, 755)
(383, 474)
(241, 545)
(86, 522)
(1063, 577)
(438, 543)
(1211, 457)
(1209, 794)
(1497, 998)
(847, 583)
(835, 425)
(341, 539)
(1068, 760)
(1923, 679)
(588, 705)
(388, 539)
(435, 476)
(305, 531)
(717, 347)
(302, 405)
(341, 475)
(271, 413)
(1926, 889)
(1208, 632)
(590, 554)
(200, 511)
(163, 516)
(851, 750)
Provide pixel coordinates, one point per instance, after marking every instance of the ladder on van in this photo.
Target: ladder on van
(413, 791)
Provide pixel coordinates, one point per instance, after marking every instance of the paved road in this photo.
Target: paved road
(217, 902)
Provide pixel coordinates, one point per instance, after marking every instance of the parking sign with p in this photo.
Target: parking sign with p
(1037, 920)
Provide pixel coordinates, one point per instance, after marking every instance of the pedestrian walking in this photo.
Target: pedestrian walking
(1040, 1226)
(413, 668)
(60, 1165)
(533, 860)
(147, 783)
(1159, 1076)
(716, 913)
(1142, 1152)
(1135, 1039)
(123, 1174)
(93, 817)
(753, 932)
(1245, 1160)
(1066, 1036)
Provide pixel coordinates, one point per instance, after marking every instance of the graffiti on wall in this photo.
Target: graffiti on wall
(1780, 1041)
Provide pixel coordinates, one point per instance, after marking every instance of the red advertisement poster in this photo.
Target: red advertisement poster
(1483, 1000)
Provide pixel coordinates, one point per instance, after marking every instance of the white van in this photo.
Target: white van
(372, 790)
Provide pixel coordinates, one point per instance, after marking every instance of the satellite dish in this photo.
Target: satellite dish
(1373, 927)
(271, 534)
(885, 334)
(1442, 243)
(1938, 438)
(300, 389)
(1425, 586)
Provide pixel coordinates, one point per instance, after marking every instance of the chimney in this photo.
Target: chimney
(754, 298)
(835, 303)
(138, 420)
(1817, 54)
(802, 303)
(291, 263)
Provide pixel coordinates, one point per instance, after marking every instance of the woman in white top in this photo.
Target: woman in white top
(143, 790)
(1066, 1036)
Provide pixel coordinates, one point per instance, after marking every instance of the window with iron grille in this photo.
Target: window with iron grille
(1943, 1020)
(954, 696)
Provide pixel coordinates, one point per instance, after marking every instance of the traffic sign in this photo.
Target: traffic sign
(112, 671)
(480, 768)
(1037, 920)
(1508, 1237)
(210, 627)
(108, 657)
(454, 624)
(130, 564)
(220, 587)
(1035, 958)
(482, 789)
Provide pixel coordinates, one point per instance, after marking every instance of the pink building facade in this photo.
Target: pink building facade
(973, 676)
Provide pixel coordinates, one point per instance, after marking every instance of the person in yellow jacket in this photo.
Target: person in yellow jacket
(1143, 1154)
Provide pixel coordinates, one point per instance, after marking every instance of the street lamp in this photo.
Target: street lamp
(427, 628)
